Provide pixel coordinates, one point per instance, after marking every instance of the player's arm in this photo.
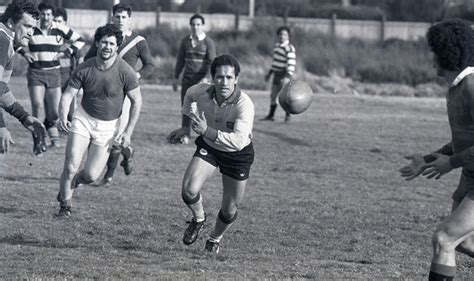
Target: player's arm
(135, 97)
(290, 61)
(189, 106)
(210, 56)
(64, 105)
(74, 39)
(147, 60)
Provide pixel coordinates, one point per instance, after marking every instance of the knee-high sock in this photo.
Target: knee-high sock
(222, 225)
(272, 110)
(112, 163)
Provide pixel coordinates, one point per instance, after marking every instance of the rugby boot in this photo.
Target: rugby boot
(105, 182)
(38, 145)
(270, 115)
(126, 163)
(192, 231)
(212, 247)
(267, 118)
(64, 212)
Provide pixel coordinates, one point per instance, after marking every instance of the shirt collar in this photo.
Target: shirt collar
(284, 43)
(232, 99)
(200, 37)
(467, 71)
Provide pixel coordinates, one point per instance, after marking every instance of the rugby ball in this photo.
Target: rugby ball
(295, 97)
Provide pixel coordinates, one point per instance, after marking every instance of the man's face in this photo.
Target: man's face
(59, 20)
(225, 81)
(122, 20)
(197, 27)
(24, 29)
(283, 36)
(46, 18)
(107, 47)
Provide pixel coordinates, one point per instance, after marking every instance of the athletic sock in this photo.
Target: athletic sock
(441, 272)
(112, 163)
(215, 239)
(272, 110)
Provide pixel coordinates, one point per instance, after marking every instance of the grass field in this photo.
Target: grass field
(324, 200)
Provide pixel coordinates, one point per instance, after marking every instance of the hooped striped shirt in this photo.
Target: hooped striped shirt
(284, 59)
(45, 47)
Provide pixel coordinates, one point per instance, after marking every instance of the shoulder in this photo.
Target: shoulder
(124, 66)
(5, 39)
(290, 48)
(469, 84)
(208, 40)
(245, 98)
(62, 27)
(137, 37)
(199, 88)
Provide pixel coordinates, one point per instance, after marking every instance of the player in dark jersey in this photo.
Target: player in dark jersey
(133, 48)
(106, 80)
(196, 53)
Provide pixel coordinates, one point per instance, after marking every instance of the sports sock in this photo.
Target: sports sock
(272, 110)
(215, 239)
(53, 132)
(112, 163)
(222, 225)
(441, 272)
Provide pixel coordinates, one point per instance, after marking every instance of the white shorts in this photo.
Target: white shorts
(100, 132)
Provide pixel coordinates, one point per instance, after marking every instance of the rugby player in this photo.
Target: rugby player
(16, 28)
(452, 45)
(134, 47)
(105, 80)
(44, 78)
(283, 69)
(222, 115)
(69, 61)
(195, 55)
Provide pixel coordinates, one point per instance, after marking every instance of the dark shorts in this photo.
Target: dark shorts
(65, 75)
(233, 164)
(465, 186)
(50, 78)
(277, 77)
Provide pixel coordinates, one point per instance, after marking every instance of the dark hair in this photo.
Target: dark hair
(281, 28)
(197, 16)
(225, 60)
(120, 7)
(108, 30)
(46, 6)
(17, 8)
(452, 42)
(61, 12)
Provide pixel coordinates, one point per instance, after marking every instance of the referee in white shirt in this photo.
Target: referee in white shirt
(222, 115)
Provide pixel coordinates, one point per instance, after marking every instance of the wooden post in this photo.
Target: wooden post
(158, 15)
(237, 20)
(333, 25)
(382, 28)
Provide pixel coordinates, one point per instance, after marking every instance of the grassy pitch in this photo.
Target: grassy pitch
(324, 200)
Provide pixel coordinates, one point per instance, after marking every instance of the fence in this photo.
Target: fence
(86, 21)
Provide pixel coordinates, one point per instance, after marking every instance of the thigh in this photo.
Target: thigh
(75, 148)
(96, 159)
(233, 194)
(37, 93)
(196, 174)
(460, 224)
(275, 90)
(52, 99)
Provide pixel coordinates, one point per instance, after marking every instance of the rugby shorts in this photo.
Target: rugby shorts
(465, 186)
(233, 164)
(65, 75)
(50, 78)
(100, 132)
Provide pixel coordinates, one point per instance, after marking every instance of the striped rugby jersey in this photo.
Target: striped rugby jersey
(284, 58)
(195, 57)
(133, 47)
(45, 47)
(6, 67)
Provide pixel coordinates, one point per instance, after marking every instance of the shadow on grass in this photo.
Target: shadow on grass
(284, 137)
(29, 178)
(19, 239)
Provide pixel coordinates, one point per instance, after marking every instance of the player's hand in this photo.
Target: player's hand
(415, 168)
(439, 167)
(124, 139)
(176, 135)
(285, 81)
(199, 124)
(35, 126)
(29, 57)
(175, 84)
(64, 125)
(5, 140)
